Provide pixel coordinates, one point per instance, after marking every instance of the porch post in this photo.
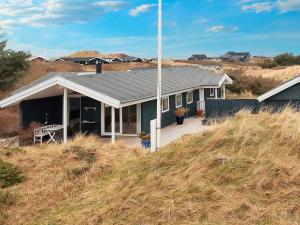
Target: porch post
(121, 120)
(65, 114)
(216, 93)
(113, 126)
(224, 91)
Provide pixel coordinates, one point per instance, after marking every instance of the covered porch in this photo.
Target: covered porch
(76, 113)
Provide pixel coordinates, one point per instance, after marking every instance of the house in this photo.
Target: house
(237, 56)
(198, 57)
(56, 60)
(128, 59)
(115, 103)
(285, 94)
(112, 60)
(37, 59)
(84, 60)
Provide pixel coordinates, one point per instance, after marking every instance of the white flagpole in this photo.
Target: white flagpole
(159, 68)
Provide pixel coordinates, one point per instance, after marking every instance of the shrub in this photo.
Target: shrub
(12, 66)
(268, 64)
(9, 174)
(285, 59)
(255, 85)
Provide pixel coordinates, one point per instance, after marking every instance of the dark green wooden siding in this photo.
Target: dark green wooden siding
(149, 111)
(288, 97)
(45, 110)
(291, 93)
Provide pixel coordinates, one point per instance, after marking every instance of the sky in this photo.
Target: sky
(53, 28)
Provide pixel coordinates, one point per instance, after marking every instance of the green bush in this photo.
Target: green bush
(285, 59)
(243, 83)
(268, 64)
(12, 66)
(9, 175)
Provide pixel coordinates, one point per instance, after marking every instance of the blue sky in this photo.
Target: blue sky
(58, 27)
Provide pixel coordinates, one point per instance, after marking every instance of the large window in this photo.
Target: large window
(178, 100)
(190, 97)
(165, 104)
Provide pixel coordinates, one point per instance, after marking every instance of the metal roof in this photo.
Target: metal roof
(129, 58)
(128, 86)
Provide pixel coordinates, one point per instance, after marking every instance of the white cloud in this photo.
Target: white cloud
(141, 9)
(258, 7)
(56, 12)
(288, 5)
(221, 28)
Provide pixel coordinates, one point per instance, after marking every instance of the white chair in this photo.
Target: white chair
(41, 132)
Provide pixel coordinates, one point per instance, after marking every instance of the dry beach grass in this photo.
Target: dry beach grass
(245, 171)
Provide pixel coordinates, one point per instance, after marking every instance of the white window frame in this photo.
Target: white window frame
(212, 92)
(180, 105)
(187, 97)
(162, 105)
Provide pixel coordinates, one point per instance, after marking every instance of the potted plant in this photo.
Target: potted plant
(200, 112)
(145, 140)
(180, 113)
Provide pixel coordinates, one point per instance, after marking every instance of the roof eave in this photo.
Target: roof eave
(57, 80)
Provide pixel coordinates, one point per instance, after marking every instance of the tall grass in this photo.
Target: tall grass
(245, 171)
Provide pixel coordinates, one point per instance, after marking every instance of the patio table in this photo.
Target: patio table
(51, 131)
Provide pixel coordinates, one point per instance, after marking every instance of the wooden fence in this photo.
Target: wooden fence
(217, 106)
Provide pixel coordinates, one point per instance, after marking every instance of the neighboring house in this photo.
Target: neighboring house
(128, 59)
(84, 60)
(37, 59)
(198, 57)
(112, 60)
(96, 102)
(237, 56)
(285, 94)
(57, 60)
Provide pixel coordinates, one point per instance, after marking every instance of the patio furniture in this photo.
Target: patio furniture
(41, 132)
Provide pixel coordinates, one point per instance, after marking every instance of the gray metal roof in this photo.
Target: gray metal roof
(129, 58)
(140, 84)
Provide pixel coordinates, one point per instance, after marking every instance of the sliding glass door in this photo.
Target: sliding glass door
(126, 120)
(107, 121)
(129, 122)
